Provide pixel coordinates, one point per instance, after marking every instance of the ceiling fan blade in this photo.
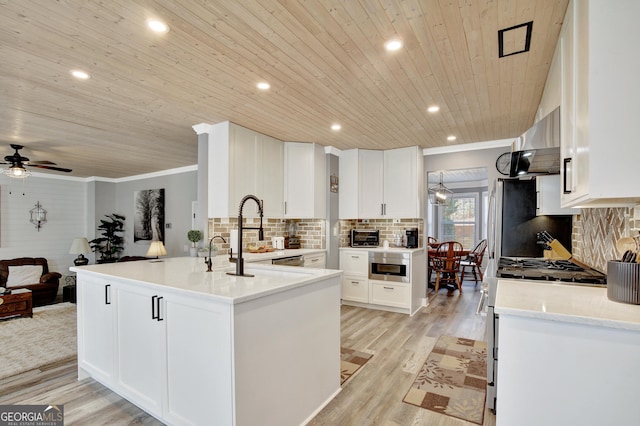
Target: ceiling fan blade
(60, 169)
(47, 162)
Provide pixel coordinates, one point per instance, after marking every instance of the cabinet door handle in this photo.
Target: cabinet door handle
(355, 257)
(381, 209)
(285, 207)
(565, 165)
(355, 282)
(154, 315)
(388, 288)
(107, 294)
(158, 308)
(385, 208)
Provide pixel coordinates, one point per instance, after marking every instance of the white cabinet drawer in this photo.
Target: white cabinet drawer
(383, 293)
(355, 262)
(316, 260)
(355, 289)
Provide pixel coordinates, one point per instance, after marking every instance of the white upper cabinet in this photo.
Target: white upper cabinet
(600, 64)
(548, 197)
(305, 181)
(370, 193)
(381, 184)
(270, 178)
(403, 183)
(241, 162)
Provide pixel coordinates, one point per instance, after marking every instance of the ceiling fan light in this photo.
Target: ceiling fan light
(17, 172)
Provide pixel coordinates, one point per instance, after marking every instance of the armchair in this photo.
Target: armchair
(31, 273)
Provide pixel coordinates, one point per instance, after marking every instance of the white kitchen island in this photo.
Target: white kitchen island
(567, 355)
(196, 347)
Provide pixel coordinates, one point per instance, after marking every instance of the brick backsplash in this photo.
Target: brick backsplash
(310, 231)
(386, 227)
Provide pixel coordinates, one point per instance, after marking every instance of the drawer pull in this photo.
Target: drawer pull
(355, 257)
(388, 288)
(355, 282)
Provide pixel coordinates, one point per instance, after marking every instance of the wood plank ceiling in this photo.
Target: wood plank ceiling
(324, 59)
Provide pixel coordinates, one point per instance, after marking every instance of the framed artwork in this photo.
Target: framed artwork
(148, 219)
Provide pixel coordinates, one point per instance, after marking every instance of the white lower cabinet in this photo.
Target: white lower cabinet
(390, 294)
(145, 345)
(359, 290)
(97, 331)
(355, 288)
(141, 354)
(315, 260)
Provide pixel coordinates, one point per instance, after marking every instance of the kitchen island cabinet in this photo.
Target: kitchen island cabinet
(568, 356)
(192, 347)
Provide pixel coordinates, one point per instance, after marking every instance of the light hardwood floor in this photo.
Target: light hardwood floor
(400, 345)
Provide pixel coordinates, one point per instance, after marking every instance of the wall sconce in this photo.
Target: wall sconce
(38, 216)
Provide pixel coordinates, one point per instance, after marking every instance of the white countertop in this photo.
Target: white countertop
(188, 274)
(387, 250)
(568, 303)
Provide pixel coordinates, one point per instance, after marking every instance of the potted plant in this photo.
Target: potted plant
(111, 244)
(194, 236)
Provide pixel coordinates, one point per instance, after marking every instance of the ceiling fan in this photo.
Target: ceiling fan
(18, 163)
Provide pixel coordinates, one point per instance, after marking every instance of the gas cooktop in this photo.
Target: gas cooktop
(549, 270)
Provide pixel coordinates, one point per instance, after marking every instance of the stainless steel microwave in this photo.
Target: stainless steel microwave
(365, 238)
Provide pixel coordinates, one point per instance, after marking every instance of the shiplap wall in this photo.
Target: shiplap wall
(65, 203)
(74, 208)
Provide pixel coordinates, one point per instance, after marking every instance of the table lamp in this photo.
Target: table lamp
(80, 246)
(156, 248)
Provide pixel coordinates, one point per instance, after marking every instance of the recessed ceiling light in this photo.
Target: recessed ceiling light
(80, 74)
(393, 44)
(433, 108)
(158, 26)
(335, 127)
(451, 138)
(263, 85)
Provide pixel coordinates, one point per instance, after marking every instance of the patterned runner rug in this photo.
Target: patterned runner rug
(453, 380)
(29, 343)
(350, 362)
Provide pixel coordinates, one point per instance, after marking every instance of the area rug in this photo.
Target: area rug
(350, 362)
(29, 343)
(453, 380)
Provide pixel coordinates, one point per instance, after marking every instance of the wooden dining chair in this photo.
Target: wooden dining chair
(432, 244)
(446, 264)
(474, 261)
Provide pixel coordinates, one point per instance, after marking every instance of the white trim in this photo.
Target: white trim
(175, 171)
(201, 128)
(468, 147)
(332, 150)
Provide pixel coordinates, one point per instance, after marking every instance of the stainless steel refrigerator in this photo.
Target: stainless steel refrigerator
(513, 223)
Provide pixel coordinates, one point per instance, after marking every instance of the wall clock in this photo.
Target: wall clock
(503, 163)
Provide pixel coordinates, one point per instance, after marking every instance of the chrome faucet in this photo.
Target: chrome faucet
(207, 260)
(240, 261)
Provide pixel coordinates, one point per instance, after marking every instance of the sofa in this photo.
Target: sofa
(31, 273)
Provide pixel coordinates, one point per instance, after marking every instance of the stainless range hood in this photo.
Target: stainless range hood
(537, 151)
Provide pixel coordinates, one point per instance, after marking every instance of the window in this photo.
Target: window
(458, 222)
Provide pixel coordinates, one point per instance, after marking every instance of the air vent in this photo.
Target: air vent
(514, 40)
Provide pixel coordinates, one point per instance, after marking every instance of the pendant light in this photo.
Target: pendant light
(439, 194)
